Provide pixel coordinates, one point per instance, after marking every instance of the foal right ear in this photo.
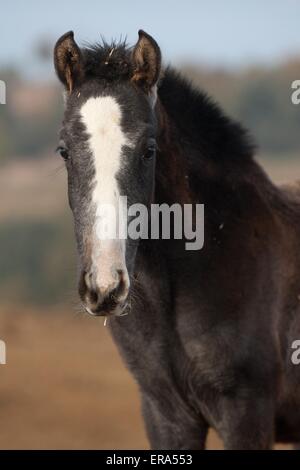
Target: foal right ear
(68, 61)
(146, 58)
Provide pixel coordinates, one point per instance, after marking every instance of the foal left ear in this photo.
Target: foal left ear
(68, 61)
(146, 57)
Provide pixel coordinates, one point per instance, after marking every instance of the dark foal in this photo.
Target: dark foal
(208, 333)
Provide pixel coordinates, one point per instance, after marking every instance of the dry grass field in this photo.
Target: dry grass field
(64, 384)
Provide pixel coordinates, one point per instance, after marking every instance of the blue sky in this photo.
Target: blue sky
(217, 32)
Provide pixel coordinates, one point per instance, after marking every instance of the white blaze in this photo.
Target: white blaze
(102, 119)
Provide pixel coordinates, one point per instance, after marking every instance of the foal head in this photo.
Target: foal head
(108, 141)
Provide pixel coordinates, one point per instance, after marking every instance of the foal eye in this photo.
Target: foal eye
(63, 152)
(150, 152)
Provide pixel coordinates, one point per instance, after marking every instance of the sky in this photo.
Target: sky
(225, 33)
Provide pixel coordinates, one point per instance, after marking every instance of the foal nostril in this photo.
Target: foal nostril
(87, 292)
(93, 296)
(122, 287)
(88, 279)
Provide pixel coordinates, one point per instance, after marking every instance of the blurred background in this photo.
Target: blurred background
(64, 385)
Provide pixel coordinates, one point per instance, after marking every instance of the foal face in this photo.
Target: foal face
(108, 143)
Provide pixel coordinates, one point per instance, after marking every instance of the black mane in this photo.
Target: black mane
(201, 122)
(110, 62)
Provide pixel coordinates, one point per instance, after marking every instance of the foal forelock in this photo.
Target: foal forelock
(102, 119)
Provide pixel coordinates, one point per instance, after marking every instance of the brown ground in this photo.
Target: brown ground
(64, 385)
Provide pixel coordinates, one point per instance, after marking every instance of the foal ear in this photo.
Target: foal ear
(146, 57)
(68, 61)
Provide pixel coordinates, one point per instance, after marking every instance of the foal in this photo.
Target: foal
(208, 333)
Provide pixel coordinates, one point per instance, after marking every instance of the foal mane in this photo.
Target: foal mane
(201, 122)
(111, 62)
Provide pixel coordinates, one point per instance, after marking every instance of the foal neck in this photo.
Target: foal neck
(171, 175)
